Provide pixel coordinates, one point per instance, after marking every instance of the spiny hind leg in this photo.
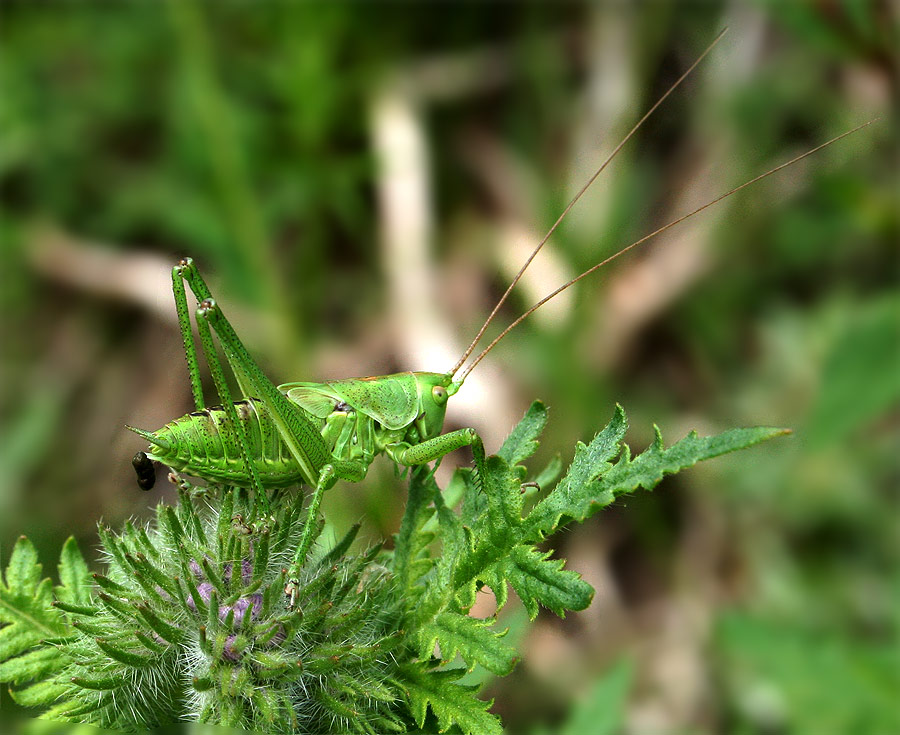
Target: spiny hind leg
(187, 335)
(252, 380)
(301, 436)
(237, 436)
(299, 433)
(238, 433)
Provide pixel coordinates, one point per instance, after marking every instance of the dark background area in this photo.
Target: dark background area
(359, 182)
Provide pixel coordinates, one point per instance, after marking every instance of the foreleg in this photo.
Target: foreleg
(435, 448)
(239, 434)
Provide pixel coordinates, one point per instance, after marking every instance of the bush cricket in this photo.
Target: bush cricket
(318, 433)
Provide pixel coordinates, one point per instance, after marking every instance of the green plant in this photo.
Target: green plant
(189, 620)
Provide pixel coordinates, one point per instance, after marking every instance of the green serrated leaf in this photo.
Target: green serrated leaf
(474, 504)
(452, 703)
(592, 482)
(29, 617)
(472, 638)
(573, 493)
(539, 580)
(14, 639)
(74, 575)
(523, 440)
(39, 695)
(440, 588)
(35, 665)
(411, 540)
(502, 489)
(647, 469)
(23, 572)
(501, 551)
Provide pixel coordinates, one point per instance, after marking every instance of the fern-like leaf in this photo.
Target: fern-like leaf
(451, 703)
(540, 580)
(593, 481)
(472, 638)
(75, 578)
(503, 551)
(523, 439)
(28, 620)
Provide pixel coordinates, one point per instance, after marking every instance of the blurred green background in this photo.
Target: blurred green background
(360, 181)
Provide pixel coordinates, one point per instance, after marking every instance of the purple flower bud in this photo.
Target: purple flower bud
(229, 653)
(246, 572)
(204, 589)
(277, 638)
(252, 603)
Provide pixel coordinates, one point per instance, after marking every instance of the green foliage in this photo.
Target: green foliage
(104, 139)
(189, 621)
(602, 711)
(861, 375)
(32, 626)
(794, 678)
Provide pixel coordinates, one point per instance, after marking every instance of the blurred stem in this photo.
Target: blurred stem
(250, 246)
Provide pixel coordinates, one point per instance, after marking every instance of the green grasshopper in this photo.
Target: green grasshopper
(319, 433)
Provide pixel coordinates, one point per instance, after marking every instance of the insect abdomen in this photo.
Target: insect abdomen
(202, 444)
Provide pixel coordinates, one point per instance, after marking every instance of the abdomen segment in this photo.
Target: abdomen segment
(203, 444)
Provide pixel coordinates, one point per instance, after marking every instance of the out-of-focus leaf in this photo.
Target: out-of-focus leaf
(74, 575)
(602, 711)
(27, 619)
(784, 678)
(861, 377)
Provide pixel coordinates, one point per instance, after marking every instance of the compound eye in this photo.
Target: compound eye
(439, 393)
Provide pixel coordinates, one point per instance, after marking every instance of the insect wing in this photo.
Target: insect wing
(392, 400)
(314, 398)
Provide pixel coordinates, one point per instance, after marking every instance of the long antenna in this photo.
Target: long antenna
(581, 192)
(653, 234)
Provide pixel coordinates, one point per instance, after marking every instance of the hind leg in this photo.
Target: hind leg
(238, 435)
